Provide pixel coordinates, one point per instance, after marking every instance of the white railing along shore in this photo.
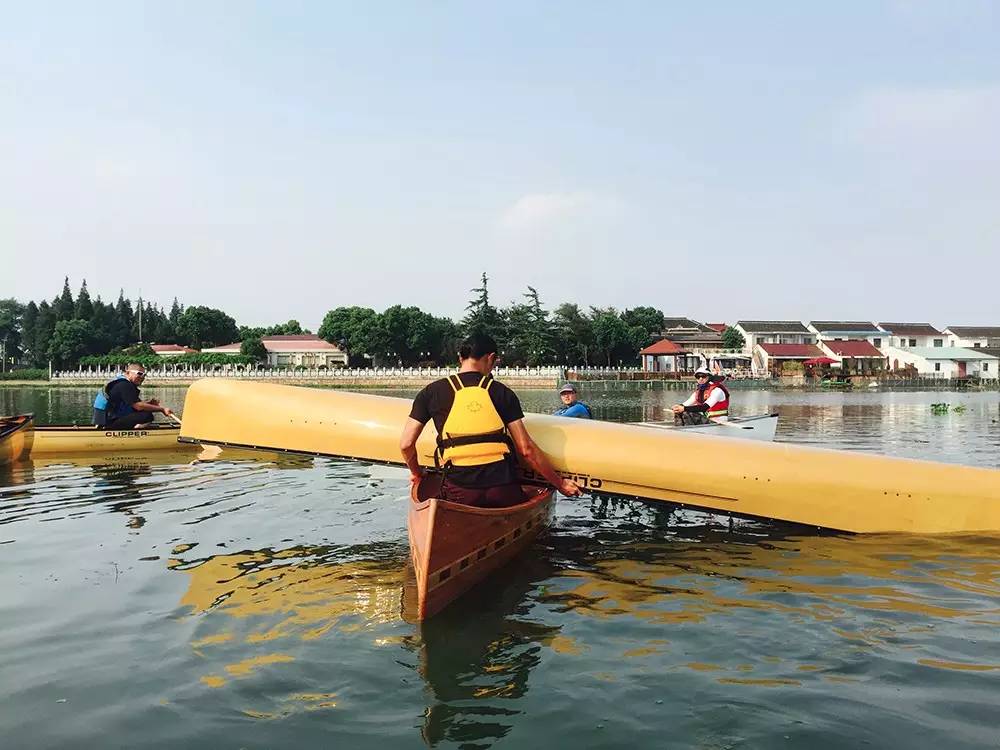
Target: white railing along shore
(308, 373)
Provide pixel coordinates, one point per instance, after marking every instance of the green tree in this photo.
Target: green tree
(11, 313)
(408, 335)
(44, 327)
(538, 333)
(29, 332)
(482, 317)
(70, 340)
(649, 319)
(253, 347)
(574, 335)
(732, 339)
(201, 326)
(353, 329)
(124, 321)
(63, 306)
(84, 308)
(102, 325)
(176, 310)
(291, 328)
(611, 334)
(444, 340)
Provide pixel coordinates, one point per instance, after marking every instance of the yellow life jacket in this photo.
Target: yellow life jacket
(473, 434)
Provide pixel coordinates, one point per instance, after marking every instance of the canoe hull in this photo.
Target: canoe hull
(453, 546)
(16, 438)
(748, 428)
(69, 439)
(819, 487)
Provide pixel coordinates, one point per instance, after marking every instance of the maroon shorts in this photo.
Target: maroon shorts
(500, 496)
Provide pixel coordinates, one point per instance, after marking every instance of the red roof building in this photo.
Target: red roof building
(841, 349)
(666, 356)
(720, 327)
(663, 346)
(791, 351)
(171, 350)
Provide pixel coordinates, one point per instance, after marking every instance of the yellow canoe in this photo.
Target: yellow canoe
(16, 435)
(825, 488)
(71, 439)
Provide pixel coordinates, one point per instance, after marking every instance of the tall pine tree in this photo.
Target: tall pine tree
(124, 320)
(62, 306)
(84, 309)
(482, 317)
(29, 326)
(44, 327)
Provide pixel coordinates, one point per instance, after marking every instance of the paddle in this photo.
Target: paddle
(175, 418)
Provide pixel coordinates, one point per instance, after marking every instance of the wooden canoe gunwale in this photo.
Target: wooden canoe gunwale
(17, 434)
(493, 538)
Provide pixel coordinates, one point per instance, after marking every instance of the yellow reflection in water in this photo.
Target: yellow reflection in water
(290, 593)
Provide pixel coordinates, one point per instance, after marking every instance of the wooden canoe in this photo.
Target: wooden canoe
(16, 435)
(72, 439)
(455, 546)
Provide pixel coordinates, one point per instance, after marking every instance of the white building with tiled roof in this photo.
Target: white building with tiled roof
(306, 350)
(905, 335)
(756, 332)
(171, 350)
(944, 362)
(974, 337)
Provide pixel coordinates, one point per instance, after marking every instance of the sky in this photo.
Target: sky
(721, 161)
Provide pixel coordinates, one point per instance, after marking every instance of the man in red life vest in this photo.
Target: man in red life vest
(710, 400)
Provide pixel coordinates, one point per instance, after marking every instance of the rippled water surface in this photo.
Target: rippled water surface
(245, 600)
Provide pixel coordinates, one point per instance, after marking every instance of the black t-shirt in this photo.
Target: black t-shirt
(435, 401)
(122, 392)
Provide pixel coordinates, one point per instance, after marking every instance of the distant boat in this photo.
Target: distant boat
(762, 427)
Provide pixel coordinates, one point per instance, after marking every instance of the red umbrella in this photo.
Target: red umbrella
(820, 361)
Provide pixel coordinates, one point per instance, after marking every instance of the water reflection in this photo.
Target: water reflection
(477, 656)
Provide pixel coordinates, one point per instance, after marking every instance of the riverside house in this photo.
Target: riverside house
(855, 357)
(944, 362)
(171, 350)
(306, 350)
(665, 356)
(848, 330)
(909, 335)
(769, 359)
(756, 332)
(972, 337)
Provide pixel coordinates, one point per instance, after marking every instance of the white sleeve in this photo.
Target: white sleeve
(715, 397)
(691, 401)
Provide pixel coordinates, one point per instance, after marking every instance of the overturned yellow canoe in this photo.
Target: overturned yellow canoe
(71, 439)
(825, 488)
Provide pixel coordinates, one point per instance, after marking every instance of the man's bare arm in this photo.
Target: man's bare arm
(408, 446)
(528, 450)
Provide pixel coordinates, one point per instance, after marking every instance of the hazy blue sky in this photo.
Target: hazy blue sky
(719, 160)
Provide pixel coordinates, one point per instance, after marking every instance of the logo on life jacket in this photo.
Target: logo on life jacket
(474, 433)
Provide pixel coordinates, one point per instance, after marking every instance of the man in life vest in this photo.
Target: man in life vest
(480, 426)
(118, 406)
(572, 405)
(710, 400)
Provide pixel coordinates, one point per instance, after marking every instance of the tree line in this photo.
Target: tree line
(527, 332)
(69, 330)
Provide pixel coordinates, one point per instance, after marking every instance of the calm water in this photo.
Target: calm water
(258, 601)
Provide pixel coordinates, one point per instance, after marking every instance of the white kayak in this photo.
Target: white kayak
(761, 427)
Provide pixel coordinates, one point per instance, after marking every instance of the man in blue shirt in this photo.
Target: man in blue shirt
(572, 406)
